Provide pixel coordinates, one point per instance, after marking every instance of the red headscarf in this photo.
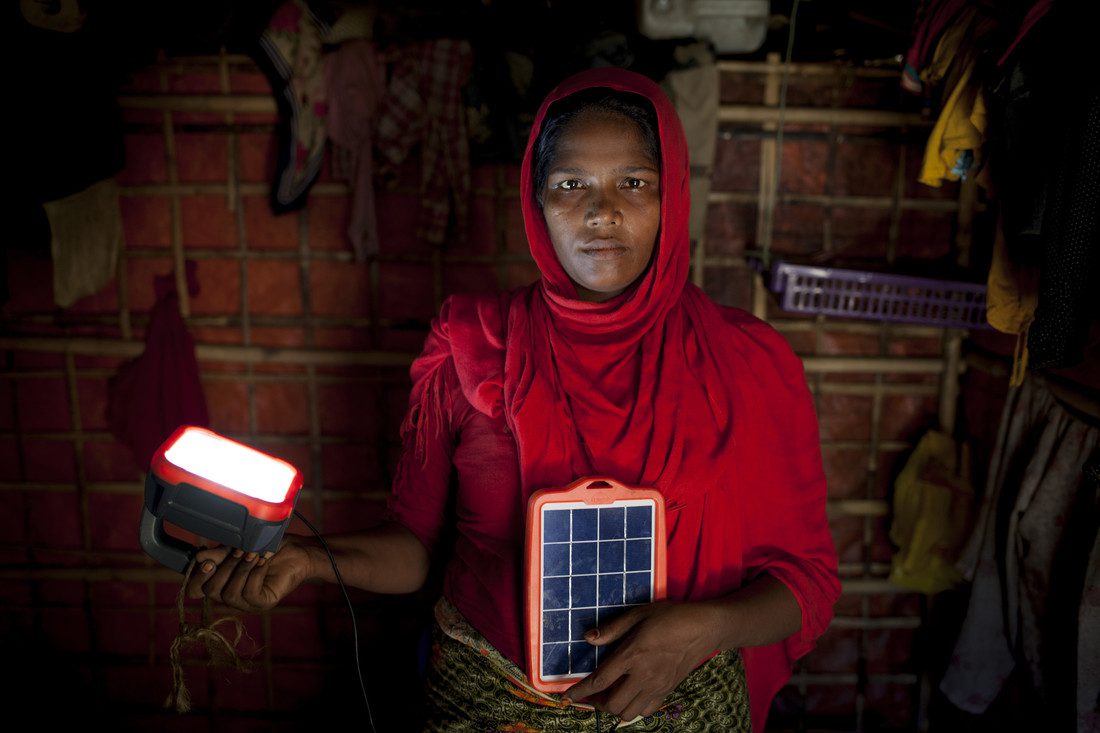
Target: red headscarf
(656, 387)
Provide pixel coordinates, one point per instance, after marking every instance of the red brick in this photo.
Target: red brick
(265, 230)
(729, 285)
(515, 236)
(832, 700)
(111, 461)
(797, 229)
(845, 472)
(925, 235)
(481, 235)
(147, 686)
(282, 408)
(54, 520)
(249, 82)
(294, 635)
(51, 461)
(343, 338)
(407, 340)
(801, 342)
(146, 161)
(297, 687)
(62, 592)
(121, 631)
(274, 288)
(895, 604)
(206, 221)
(352, 515)
(399, 216)
(518, 274)
(865, 168)
(139, 280)
(104, 300)
(9, 460)
(328, 222)
(914, 346)
(860, 233)
(349, 409)
(804, 166)
(65, 629)
(244, 691)
(196, 82)
(848, 537)
(14, 593)
(218, 335)
(469, 279)
(92, 399)
(227, 402)
(7, 404)
(741, 88)
(731, 228)
(736, 165)
(278, 337)
(339, 289)
(202, 157)
(13, 516)
(119, 594)
(30, 281)
(406, 291)
(905, 416)
(848, 344)
(220, 292)
(837, 651)
(143, 80)
(844, 417)
(890, 706)
(146, 221)
(351, 466)
(256, 153)
(113, 519)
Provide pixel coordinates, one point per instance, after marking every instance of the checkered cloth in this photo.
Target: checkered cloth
(423, 105)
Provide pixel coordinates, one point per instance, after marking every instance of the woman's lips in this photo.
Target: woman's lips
(604, 250)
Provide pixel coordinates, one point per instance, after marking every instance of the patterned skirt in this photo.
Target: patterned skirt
(472, 687)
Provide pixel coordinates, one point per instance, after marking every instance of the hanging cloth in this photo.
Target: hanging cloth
(85, 235)
(160, 390)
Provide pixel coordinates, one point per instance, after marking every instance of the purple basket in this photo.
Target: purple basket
(874, 296)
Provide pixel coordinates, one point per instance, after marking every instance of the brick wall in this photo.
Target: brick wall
(86, 608)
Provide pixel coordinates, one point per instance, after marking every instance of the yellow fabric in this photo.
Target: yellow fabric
(933, 505)
(962, 122)
(1012, 292)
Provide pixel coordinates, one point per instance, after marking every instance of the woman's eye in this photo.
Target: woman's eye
(634, 183)
(569, 184)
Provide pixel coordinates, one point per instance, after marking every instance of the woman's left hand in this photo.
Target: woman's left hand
(661, 643)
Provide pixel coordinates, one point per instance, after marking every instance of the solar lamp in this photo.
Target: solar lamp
(219, 489)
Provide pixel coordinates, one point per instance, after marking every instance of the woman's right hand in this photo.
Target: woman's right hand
(247, 582)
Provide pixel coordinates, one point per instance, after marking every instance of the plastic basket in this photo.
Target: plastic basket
(875, 296)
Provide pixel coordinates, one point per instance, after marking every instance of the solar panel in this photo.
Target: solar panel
(595, 549)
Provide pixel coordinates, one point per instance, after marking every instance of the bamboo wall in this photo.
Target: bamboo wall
(304, 353)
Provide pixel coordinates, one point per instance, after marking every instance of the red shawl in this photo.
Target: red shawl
(656, 387)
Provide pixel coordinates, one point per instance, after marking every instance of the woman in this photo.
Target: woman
(612, 365)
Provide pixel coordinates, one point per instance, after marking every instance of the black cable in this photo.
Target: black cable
(351, 610)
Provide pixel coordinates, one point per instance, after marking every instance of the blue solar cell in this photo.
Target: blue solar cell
(585, 524)
(582, 658)
(555, 527)
(584, 558)
(584, 591)
(555, 593)
(611, 590)
(555, 659)
(555, 559)
(637, 588)
(639, 521)
(612, 523)
(637, 555)
(555, 626)
(580, 622)
(611, 556)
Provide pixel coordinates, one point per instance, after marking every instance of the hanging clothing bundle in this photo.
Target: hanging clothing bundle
(1035, 566)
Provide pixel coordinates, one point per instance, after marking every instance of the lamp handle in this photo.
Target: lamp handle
(164, 548)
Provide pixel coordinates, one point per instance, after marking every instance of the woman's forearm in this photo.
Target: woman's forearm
(760, 613)
(385, 559)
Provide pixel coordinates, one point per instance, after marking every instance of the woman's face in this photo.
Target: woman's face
(602, 204)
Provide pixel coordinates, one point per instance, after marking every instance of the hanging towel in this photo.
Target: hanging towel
(160, 390)
(693, 88)
(355, 82)
(85, 234)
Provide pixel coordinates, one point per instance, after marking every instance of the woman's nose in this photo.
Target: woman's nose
(603, 209)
